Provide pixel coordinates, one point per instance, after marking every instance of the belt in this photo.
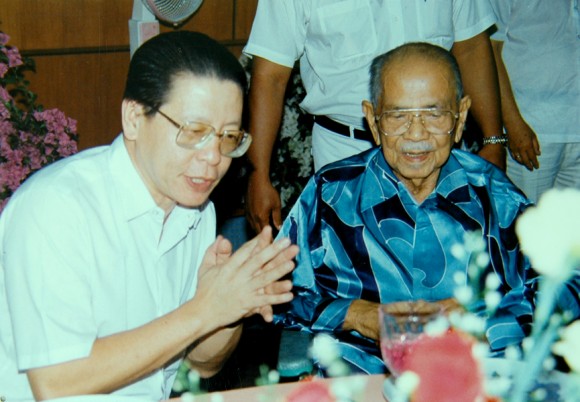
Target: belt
(343, 129)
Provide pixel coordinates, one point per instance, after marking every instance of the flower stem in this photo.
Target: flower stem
(544, 333)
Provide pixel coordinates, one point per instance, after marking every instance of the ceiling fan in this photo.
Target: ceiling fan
(144, 23)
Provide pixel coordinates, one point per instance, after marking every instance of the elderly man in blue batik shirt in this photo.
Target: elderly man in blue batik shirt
(378, 227)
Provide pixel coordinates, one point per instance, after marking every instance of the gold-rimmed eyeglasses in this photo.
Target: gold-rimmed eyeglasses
(196, 135)
(436, 121)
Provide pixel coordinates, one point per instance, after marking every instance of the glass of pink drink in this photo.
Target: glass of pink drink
(402, 325)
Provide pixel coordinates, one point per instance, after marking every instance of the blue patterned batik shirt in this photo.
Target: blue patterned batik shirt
(363, 236)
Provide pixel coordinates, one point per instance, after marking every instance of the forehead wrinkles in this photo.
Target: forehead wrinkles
(203, 98)
(414, 76)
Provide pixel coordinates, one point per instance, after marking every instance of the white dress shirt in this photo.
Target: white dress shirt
(336, 41)
(541, 52)
(86, 254)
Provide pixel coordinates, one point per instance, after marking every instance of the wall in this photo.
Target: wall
(81, 49)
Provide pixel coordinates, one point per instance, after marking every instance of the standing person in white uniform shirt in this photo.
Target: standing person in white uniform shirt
(111, 273)
(537, 49)
(335, 42)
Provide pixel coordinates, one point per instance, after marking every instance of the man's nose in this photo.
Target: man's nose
(417, 127)
(210, 152)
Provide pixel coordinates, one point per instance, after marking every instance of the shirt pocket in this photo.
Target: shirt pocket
(437, 27)
(345, 30)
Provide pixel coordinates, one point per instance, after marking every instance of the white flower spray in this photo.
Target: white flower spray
(549, 235)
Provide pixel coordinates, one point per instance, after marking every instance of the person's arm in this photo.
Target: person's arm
(245, 284)
(479, 75)
(512, 319)
(311, 309)
(210, 353)
(523, 142)
(266, 104)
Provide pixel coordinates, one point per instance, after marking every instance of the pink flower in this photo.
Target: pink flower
(3, 70)
(12, 54)
(4, 38)
(12, 174)
(311, 391)
(447, 368)
(6, 127)
(14, 58)
(30, 137)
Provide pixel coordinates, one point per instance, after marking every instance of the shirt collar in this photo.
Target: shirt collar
(135, 198)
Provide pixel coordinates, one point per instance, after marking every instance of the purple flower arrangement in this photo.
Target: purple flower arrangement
(30, 137)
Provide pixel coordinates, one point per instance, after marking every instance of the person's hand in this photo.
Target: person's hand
(263, 206)
(446, 306)
(234, 286)
(363, 317)
(449, 305)
(267, 312)
(524, 145)
(494, 153)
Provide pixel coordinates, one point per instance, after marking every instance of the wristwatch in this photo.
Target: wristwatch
(496, 139)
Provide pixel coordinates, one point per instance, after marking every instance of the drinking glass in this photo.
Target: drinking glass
(402, 324)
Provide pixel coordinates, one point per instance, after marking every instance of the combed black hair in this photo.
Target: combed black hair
(159, 60)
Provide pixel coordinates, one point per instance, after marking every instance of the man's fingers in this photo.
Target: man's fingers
(269, 253)
(270, 300)
(265, 303)
(265, 278)
(285, 255)
(536, 144)
(264, 239)
(253, 222)
(259, 220)
(267, 313)
(533, 163)
(278, 287)
(264, 221)
(223, 249)
(277, 217)
(251, 247)
(526, 157)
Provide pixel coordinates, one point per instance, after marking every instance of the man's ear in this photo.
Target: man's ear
(464, 106)
(131, 116)
(369, 112)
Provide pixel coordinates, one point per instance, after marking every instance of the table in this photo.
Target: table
(373, 391)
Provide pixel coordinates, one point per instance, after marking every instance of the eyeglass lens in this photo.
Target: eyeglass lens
(196, 135)
(397, 122)
(192, 135)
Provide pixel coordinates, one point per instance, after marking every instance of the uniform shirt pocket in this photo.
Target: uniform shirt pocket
(345, 29)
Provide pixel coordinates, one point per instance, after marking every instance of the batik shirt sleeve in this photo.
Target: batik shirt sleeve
(310, 309)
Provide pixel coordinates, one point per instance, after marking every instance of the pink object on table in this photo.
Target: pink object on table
(395, 353)
(447, 368)
(280, 392)
(312, 391)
